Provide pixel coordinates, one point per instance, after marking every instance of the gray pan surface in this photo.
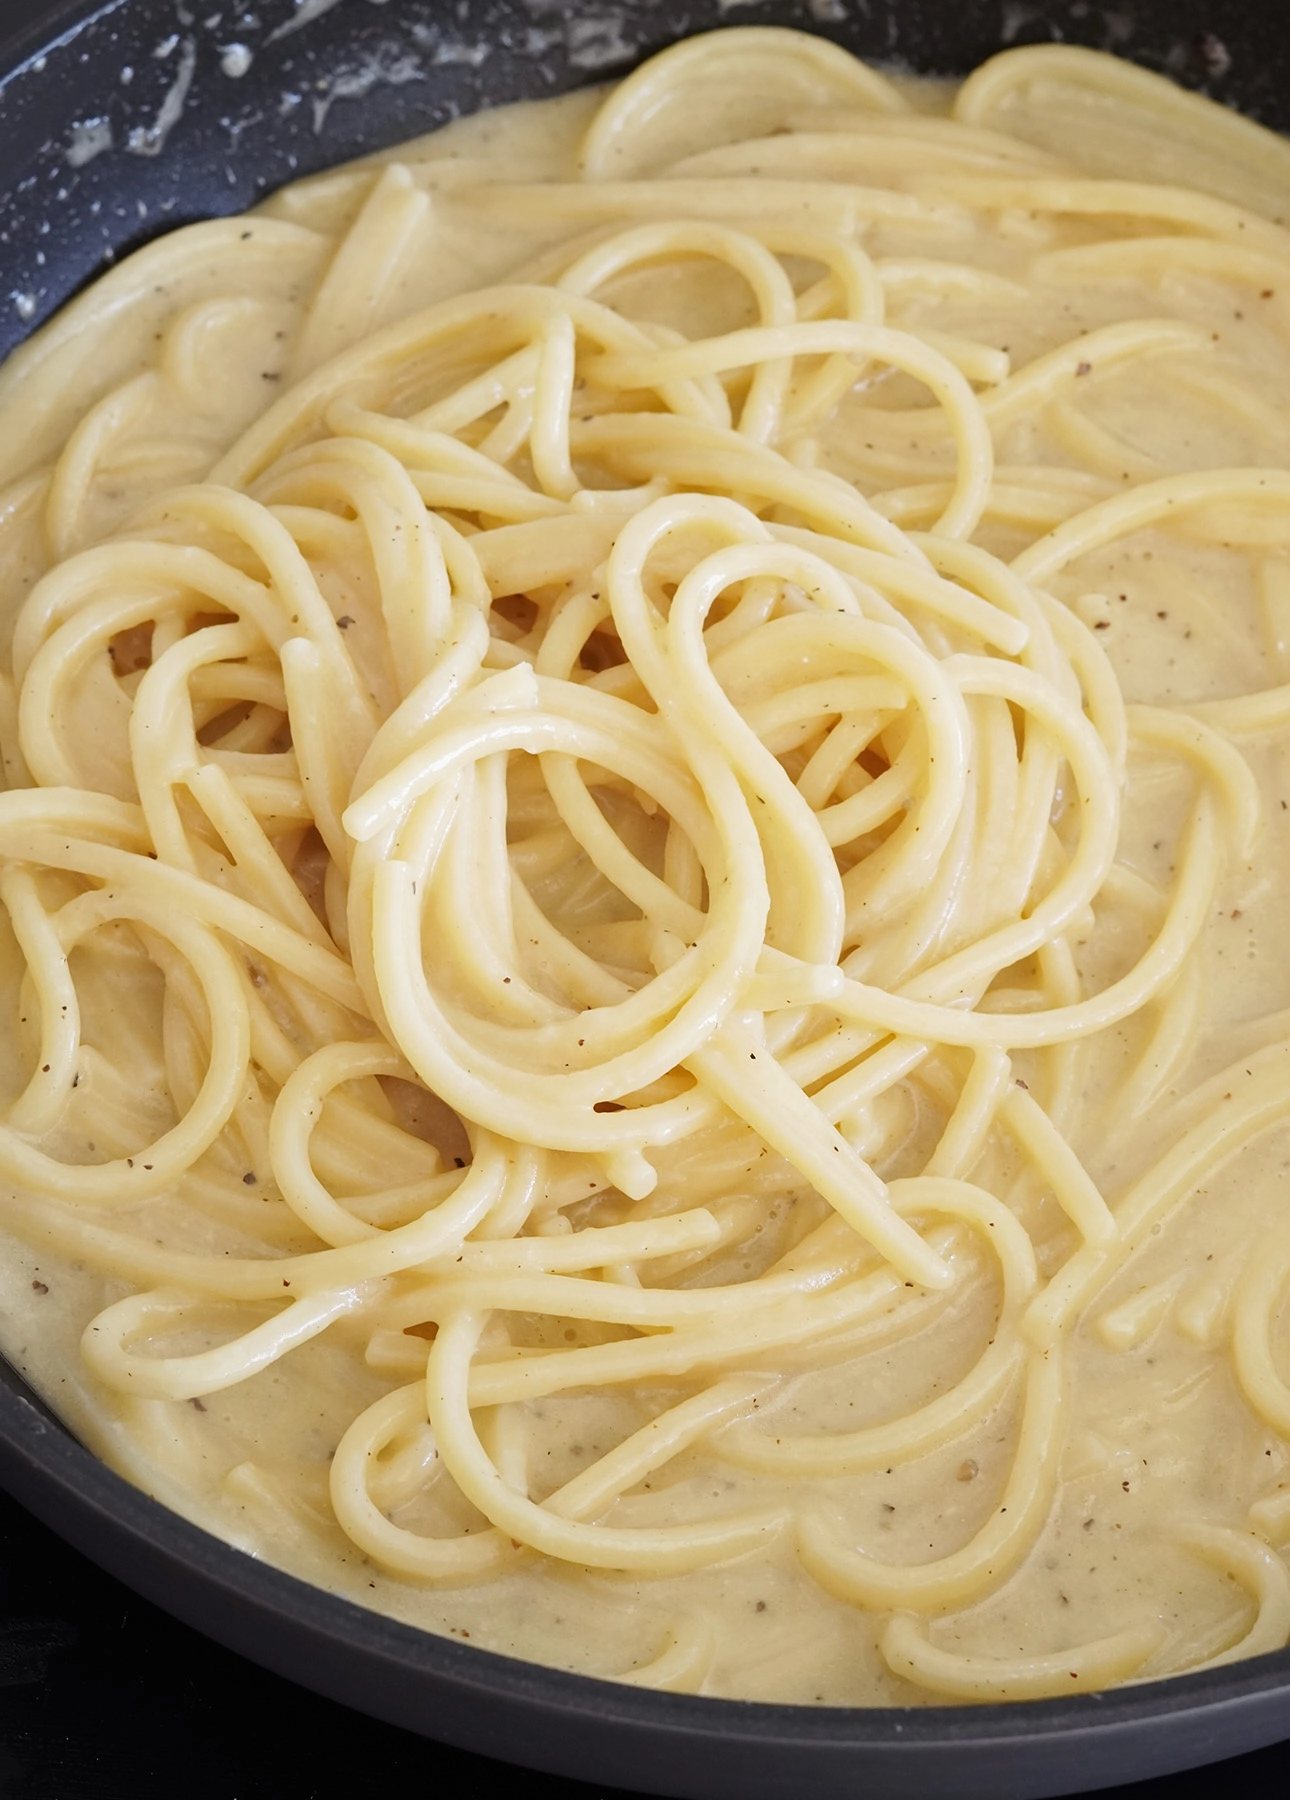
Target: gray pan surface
(218, 107)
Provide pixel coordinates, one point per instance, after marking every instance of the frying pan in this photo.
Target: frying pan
(123, 119)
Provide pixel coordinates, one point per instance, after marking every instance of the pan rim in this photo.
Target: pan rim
(38, 1452)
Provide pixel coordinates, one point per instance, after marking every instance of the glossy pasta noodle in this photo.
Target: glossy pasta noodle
(648, 1016)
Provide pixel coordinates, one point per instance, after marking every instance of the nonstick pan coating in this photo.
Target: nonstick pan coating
(122, 120)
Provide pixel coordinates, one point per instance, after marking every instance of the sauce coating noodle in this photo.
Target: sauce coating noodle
(643, 949)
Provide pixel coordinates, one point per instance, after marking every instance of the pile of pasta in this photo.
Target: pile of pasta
(569, 842)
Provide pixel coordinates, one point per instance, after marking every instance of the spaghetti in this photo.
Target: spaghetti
(631, 796)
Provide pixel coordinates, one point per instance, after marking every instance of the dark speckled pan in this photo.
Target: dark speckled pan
(122, 120)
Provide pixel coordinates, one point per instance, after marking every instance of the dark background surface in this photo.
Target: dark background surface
(103, 1696)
